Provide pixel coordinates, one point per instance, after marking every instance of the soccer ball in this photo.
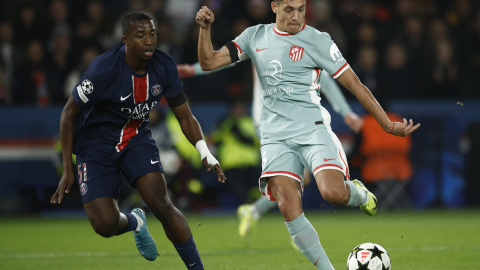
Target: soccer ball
(368, 256)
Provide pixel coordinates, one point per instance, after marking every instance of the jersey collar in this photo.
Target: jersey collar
(278, 32)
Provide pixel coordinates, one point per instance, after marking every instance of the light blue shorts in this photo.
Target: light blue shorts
(290, 157)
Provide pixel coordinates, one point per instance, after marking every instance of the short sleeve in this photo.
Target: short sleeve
(329, 56)
(173, 84)
(242, 42)
(91, 89)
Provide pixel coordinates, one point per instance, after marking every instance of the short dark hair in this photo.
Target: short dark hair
(134, 16)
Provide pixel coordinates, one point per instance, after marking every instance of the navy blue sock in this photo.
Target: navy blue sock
(189, 254)
(131, 225)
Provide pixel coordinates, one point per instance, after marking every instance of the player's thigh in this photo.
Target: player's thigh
(278, 159)
(328, 156)
(288, 194)
(140, 158)
(98, 176)
(326, 163)
(153, 189)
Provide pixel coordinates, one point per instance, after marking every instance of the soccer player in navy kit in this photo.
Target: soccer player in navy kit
(103, 123)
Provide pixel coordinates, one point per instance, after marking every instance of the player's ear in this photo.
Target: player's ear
(274, 7)
(125, 40)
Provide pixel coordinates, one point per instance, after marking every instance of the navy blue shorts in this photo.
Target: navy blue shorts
(99, 167)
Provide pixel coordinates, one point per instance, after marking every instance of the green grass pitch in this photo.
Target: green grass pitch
(444, 240)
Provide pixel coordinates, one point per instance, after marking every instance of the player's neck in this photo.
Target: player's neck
(137, 65)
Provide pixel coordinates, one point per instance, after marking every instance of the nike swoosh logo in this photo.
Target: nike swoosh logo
(153, 162)
(123, 98)
(325, 159)
(316, 261)
(192, 264)
(259, 50)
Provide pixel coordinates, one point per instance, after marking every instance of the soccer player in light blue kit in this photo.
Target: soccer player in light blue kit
(295, 128)
(248, 214)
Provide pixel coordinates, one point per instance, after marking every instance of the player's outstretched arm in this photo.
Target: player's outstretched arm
(336, 98)
(207, 57)
(350, 80)
(192, 130)
(187, 71)
(67, 129)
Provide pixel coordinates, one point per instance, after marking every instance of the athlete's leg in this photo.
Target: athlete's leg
(287, 192)
(332, 186)
(153, 190)
(337, 191)
(105, 216)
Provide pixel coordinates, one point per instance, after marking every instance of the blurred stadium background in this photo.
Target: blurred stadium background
(420, 58)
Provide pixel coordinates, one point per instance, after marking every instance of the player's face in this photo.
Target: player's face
(142, 38)
(290, 15)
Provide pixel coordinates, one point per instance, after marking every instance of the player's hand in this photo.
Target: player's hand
(353, 121)
(64, 186)
(185, 70)
(205, 17)
(210, 162)
(401, 129)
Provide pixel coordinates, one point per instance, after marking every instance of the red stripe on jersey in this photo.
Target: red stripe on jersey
(318, 73)
(128, 131)
(346, 166)
(238, 47)
(140, 89)
(335, 74)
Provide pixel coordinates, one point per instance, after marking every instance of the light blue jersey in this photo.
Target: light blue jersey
(289, 68)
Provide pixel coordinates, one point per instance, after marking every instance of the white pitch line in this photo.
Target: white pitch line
(216, 252)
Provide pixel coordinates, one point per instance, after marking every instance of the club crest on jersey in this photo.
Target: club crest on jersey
(87, 86)
(156, 89)
(83, 188)
(296, 53)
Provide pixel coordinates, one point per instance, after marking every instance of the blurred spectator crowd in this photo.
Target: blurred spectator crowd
(422, 49)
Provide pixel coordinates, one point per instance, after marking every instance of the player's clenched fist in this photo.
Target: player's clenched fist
(205, 17)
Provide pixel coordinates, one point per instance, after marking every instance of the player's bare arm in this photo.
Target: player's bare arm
(193, 132)
(207, 57)
(350, 81)
(67, 128)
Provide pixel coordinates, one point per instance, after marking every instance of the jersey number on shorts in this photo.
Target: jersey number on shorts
(84, 165)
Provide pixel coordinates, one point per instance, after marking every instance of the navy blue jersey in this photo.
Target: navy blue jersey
(116, 100)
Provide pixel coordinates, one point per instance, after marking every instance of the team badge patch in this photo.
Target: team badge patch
(156, 89)
(87, 86)
(83, 188)
(296, 53)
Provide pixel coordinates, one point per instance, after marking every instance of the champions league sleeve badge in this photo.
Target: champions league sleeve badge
(156, 89)
(87, 86)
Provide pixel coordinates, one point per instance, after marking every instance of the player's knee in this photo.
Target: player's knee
(105, 228)
(336, 197)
